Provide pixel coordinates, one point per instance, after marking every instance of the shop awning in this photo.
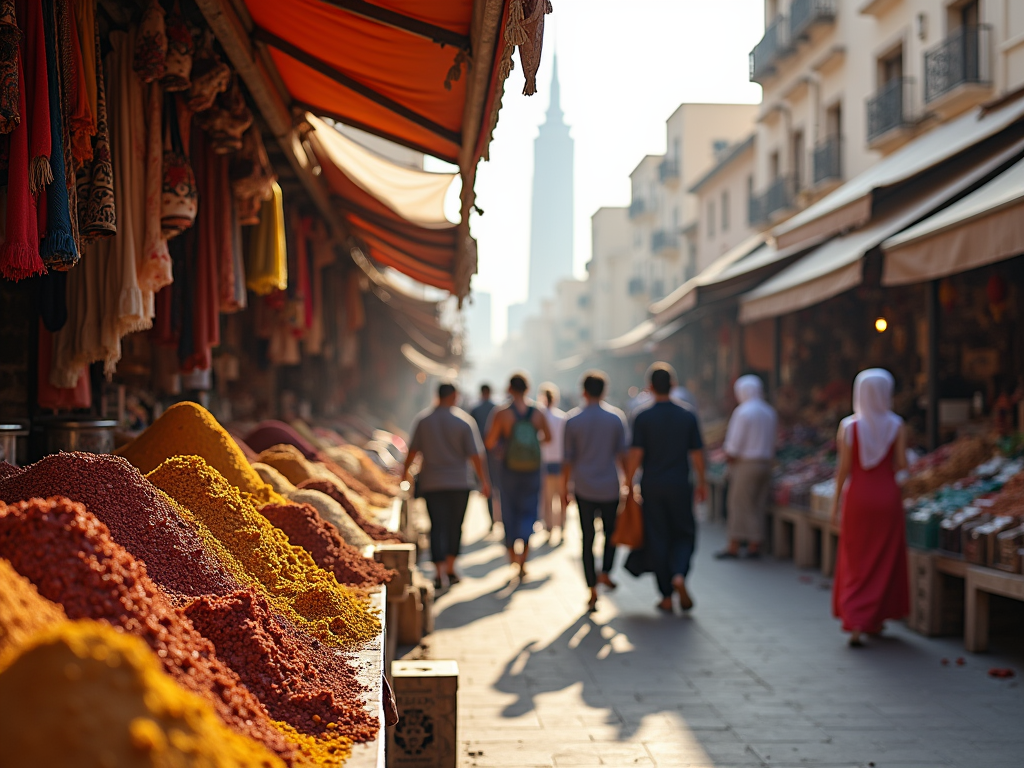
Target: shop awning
(837, 265)
(985, 227)
(851, 205)
(632, 341)
(428, 365)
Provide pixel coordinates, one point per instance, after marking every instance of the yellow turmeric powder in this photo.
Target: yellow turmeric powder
(188, 429)
(331, 610)
(23, 611)
(83, 694)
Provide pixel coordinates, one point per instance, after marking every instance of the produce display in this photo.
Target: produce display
(193, 614)
(947, 464)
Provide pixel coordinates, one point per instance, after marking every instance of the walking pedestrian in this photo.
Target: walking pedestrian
(749, 446)
(666, 442)
(552, 455)
(481, 414)
(871, 581)
(595, 449)
(450, 443)
(519, 429)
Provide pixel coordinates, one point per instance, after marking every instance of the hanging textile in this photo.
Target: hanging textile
(227, 120)
(155, 267)
(10, 69)
(210, 75)
(49, 397)
(232, 271)
(85, 23)
(212, 244)
(97, 216)
(180, 198)
(322, 255)
(180, 47)
(267, 265)
(252, 177)
(81, 120)
(105, 302)
(30, 14)
(151, 51)
(525, 30)
(19, 254)
(58, 245)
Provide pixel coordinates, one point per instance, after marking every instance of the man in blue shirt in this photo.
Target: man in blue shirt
(595, 447)
(666, 439)
(481, 414)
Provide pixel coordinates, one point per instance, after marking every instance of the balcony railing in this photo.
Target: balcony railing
(828, 160)
(777, 197)
(963, 57)
(664, 240)
(889, 109)
(767, 52)
(804, 14)
(657, 289)
(668, 170)
(635, 286)
(638, 207)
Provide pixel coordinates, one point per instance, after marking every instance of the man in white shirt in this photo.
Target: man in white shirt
(552, 456)
(750, 446)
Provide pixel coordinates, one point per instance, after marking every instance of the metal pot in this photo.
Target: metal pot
(9, 434)
(76, 434)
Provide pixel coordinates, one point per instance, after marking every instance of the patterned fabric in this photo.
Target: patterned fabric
(180, 46)
(10, 36)
(210, 76)
(151, 51)
(97, 214)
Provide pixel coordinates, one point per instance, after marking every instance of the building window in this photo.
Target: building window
(711, 219)
(725, 210)
(798, 160)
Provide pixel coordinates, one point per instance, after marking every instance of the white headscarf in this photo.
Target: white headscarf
(877, 425)
(748, 387)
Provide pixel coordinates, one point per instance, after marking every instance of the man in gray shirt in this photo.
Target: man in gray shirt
(595, 445)
(450, 443)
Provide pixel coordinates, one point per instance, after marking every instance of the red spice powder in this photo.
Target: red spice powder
(69, 555)
(137, 514)
(305, 528)
(282, 666)
(8, 470)
(375, 532)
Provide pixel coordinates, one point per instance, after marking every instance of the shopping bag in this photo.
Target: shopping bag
(629, 528)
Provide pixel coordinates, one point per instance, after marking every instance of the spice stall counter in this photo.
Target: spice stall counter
(936, 592)
(369, 661)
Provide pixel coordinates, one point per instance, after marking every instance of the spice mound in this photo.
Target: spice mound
(354, 484)
(373, 530)
(332, 512)
(187, 429)
(83, 694)
(270, 433)
(289, 461)
(8, 470)
(22, 611)
(334, 612)
(305, 528)
(68, 554)
(275, 663)
(375, 478)
(273, 478)
(140, 518)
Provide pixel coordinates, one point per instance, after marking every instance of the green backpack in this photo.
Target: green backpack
(522, 454)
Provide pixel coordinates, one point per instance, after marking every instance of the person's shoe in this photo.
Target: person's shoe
(592, 605)
(685, 601)
(606, 580)
(665, 606)
(726, 554)
(438, 584)
(454, 578)
(755, 555)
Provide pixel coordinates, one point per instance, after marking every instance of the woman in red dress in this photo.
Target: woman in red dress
(871, 582)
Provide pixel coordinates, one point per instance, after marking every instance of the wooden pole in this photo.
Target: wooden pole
(932, 414)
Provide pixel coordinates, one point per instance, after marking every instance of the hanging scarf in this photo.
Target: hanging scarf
(155, 267)
(151, 51)
(19, 254)
(97, 212)
(210, 244)
(180, 197)
(34, 58)
(57, 245)
(82, 122)
(231, 277)
(267, 267)
(85, 23)
(10, 69)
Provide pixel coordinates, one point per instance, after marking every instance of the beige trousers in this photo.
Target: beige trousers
(749, 483)
(551, 512)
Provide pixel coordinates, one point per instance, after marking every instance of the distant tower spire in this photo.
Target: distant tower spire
(555, 114)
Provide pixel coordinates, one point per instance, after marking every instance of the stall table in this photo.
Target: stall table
(980, 583)
(369, 664)
(935, 608)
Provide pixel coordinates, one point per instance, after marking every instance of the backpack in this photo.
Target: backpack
(522, 454)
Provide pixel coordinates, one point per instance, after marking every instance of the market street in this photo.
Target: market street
(759, 675)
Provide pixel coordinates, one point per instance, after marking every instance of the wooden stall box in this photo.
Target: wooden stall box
(427, 696)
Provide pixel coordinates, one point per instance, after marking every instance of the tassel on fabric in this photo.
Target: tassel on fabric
(515, 31)
(18, 261)
(39, 175)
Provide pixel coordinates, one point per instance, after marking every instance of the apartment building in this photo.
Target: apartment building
(847, 82)
(723, 196)
(609, 272)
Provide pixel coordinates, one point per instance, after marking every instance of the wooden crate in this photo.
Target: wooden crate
(410, 617)
(936, 593)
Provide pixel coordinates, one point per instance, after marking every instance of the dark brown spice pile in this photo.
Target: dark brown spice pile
(374, 531)
(8, 470)
(282, 666)
(70, 557)
(305, 528)
(138, 515)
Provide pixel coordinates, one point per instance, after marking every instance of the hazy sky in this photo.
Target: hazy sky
(624, 67)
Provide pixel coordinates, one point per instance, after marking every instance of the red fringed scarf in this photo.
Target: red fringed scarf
(30, 13)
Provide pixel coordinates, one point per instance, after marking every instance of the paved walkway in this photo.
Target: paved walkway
(758, 675)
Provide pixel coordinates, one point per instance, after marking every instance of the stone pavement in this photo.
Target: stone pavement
(758, 675)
